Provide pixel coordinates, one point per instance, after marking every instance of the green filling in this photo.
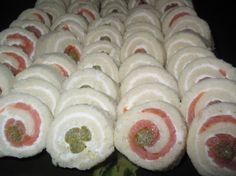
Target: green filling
(85, 86)
(225, 151)
(15, 133)
(97, 67)
(106, 38)
(76, 137)
(144, 137)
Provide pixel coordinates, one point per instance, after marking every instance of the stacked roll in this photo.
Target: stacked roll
(150, 130)
(206, 87)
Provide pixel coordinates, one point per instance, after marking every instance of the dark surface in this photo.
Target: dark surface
(220, 15)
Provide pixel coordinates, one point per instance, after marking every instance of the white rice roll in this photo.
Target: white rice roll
(105, 2)
(164, 6)
(24, 124)
(93, 78)
(211, 140)
(152, 135)
(135, 3)
(37, 28)
(134, 61)
(102, 62)
(147, 93)
(14, 58)
(60, 41)
(53, 10)
(202, 68)
(80, 137)
(147, 74)
(109, 21)
(107, 33)
(143, 26)
(177, 62)
(175, 14)
(78, 19)
(143, 15)
(21, 38)
(181, 40)
(63, 63)
(6, 80)
(39, 88)
(86, 96)
(111, 49)
(193, 23)
(88, 10)
(205, 93)
(113, 7)
(35, 14)
(44, 72)
(143, 42)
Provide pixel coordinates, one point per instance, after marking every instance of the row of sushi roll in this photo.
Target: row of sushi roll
(81, 78)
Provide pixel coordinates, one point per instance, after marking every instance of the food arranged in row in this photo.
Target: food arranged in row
(81, 79)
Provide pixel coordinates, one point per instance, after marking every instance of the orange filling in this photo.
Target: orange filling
(72, 52)
(86, 12)
(34, 30)
(177, 16)
(61, 70)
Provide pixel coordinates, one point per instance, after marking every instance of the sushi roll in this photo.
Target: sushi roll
(172, 16)
(37, 28)
(135, 3)
(78, 19)
(147, 74)
(134, 61)
(205, 93)
(113, 7)
(177, 62)
(181, 40)
(111, 49)
(86, 96)
(39, 88)
(60, 41)
(143, 26)
(151, 135)
(92, 78)
(87, 9)
(193, 23)
(143, 42)
(104, 33)
(44, 72)
(14, 58)
(204, 68)
(109, 21)
(80, 137)
(147, 15)
(63, 63)
(6, 80)
(147, 93)
(24, 124)
(35, 14)
(212, 139)
(20, 38)
(102, 62)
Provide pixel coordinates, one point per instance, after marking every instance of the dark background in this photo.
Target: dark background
(220, 16)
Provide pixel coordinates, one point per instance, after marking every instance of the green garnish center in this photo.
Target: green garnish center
(144, 137)
(16, 134)
(76, 137)
(97, 67)
(105, 38)
(225, 150)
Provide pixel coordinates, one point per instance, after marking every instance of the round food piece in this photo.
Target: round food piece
(113, 7)
(25, 122)
(205, 93)
(152, 135)
(92, 78)
(6, 80)
(147, 74)
(203, 68)
(147, 93)
(80, 137)
(212, 139)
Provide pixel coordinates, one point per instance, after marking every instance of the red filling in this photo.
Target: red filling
(34, 30)
(41, 19)
(222, 72)
(15, 130)
(177, 16)
(26, 45)
(222, 149)
(141, 151)
(72, 52)
(140, 50)
(86, 12)
(61, 70)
